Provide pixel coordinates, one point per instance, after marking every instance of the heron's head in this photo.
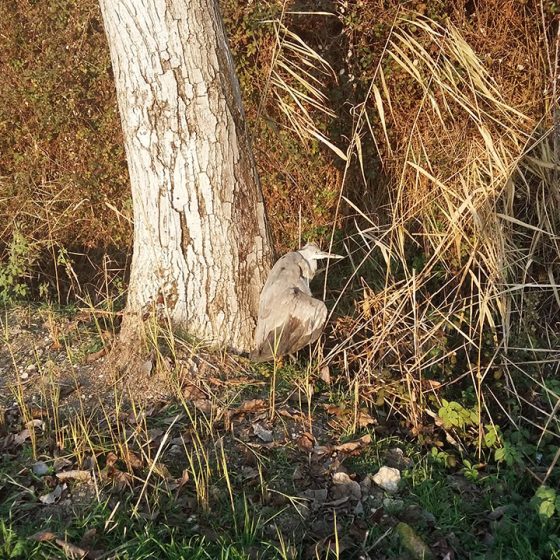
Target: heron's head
(311, 253)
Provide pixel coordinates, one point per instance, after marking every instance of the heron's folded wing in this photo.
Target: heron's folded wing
(295, 320)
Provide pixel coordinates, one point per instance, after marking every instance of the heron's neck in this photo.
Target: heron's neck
(309, 271)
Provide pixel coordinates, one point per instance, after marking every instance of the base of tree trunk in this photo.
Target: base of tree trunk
(127, 357)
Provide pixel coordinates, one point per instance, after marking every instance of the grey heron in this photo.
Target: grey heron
(289, 316)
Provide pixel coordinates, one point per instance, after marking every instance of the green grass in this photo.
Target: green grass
(175, 533)
(171, 525)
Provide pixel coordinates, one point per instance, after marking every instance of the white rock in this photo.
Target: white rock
(341, 478)
(350, 487)
(40, 468)
(387, 478)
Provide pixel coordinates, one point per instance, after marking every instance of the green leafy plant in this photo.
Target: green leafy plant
(20, 258)
(442, 457)
(508, 454)
(546, 502)
(455, 415)
(470, 471)
(491, 437)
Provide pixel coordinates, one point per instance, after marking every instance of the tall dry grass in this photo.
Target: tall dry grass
(458, 289)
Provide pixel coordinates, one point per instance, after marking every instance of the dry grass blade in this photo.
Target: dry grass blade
(297, 76)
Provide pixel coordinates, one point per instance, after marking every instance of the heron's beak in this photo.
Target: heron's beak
(323, 255)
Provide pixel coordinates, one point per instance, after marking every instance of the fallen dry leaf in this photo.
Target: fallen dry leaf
(331, 546)
(94, 356)
(194, 393)
(300, 473)
(316, 497)
(81, 476)
(154, 434)
(353, 446)
(203, 405)
(252, 405)
(293, 414)
(146, 367)
(337, 502)
(363, 419)
(61, 463)
(262, 433)
(325, 375)
(132, 459)
(430, 384)
(88, 538)
(121, 480)
(54, 496)
(178, 483)
(161, 470)
(336, 410)
(73, 550)
(43, 536)
(344, 486)
(22, 436)
(306, 441)
(111, 459)
(249, 473)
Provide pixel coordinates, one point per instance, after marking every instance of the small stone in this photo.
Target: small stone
(387, 478)
(414, 515)
(346, 486)
(31, 368)
(320, 495)
(393, 507)
(365, 485)
(40, 468)
(359, 509)
(176, 450)
(262, 433)
(396, 458)
(341, 478)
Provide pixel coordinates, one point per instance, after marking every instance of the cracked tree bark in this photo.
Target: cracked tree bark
(201, 242)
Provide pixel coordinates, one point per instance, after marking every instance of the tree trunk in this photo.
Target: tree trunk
(201, 243)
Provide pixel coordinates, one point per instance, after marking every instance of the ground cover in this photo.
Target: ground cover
(201, 467)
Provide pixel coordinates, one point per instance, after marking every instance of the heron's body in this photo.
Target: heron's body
(289, 317)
